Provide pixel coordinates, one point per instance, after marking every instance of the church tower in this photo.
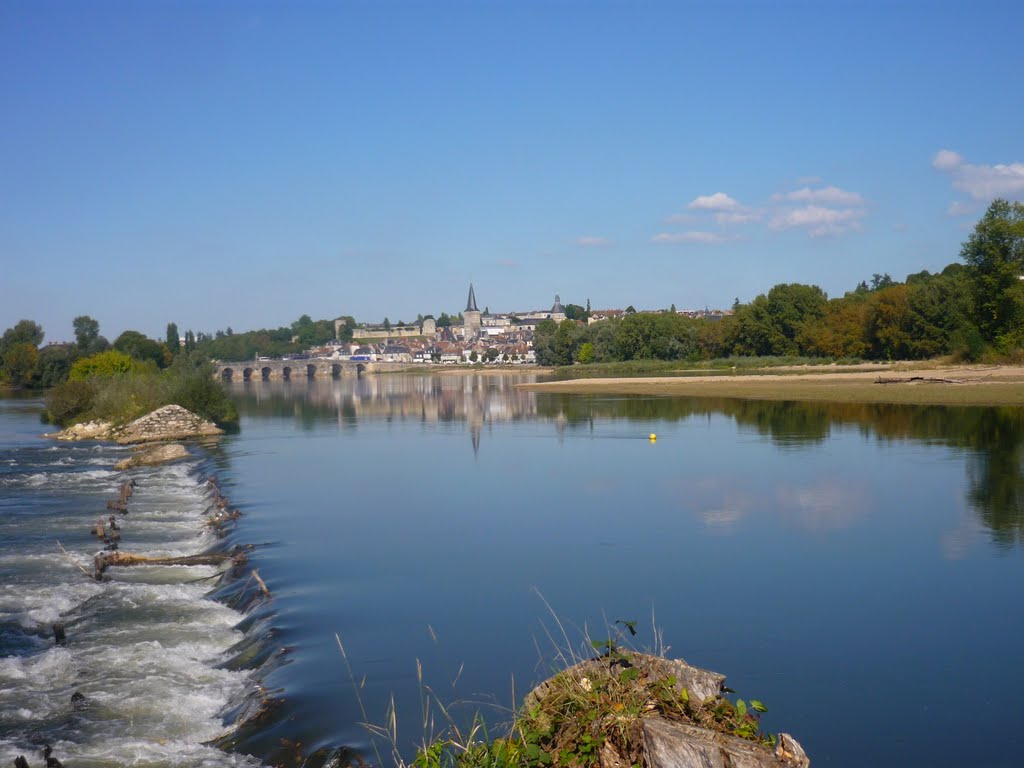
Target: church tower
(471, 317)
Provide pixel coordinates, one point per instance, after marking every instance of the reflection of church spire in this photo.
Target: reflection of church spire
(471, 301)
(474, 433)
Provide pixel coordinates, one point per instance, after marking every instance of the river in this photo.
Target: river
(857, 568)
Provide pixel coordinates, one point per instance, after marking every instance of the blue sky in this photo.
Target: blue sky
(239, 164)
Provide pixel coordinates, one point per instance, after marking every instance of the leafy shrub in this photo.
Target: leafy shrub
(121, 399)
(69, 400)
(104, 365)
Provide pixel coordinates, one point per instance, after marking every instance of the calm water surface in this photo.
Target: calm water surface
(858, 568)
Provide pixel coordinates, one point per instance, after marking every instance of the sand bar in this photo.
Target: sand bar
(924, 384)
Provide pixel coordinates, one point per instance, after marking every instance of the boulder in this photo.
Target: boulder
(157, 454)
(171, 422)
(89, 430)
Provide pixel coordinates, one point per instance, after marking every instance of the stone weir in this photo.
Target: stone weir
(171, 422)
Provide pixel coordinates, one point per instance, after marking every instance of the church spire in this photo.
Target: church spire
(471, 301)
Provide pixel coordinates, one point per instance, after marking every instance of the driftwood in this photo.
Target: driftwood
(104, 560)
(670, 745)
(915, 379)
(59, 635)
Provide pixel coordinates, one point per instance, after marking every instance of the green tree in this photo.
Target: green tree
(55, 362)
(24, 332)
(994, 254)
(140, 347)
(87, 332)
(20, 361)
(387, 324)
(585, 354)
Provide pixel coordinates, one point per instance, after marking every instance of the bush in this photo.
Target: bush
(104, 365)
(189, 382)
(121, 399)
(69, 400)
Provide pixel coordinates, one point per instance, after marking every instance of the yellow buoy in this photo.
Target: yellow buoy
(653, 437)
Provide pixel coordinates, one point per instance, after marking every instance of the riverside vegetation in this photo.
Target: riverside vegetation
(591, 714)
(970, 311)
(114, 387)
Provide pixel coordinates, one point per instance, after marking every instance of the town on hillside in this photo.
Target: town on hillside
(475, 337)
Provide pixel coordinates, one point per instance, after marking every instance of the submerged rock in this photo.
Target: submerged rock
(171, 422)
(157, 454)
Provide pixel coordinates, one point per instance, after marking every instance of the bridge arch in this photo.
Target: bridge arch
(286, 372)
(335, 371)
(360, 369)
(227, 374)
(311, 371)
(265, 372)
(247, 374)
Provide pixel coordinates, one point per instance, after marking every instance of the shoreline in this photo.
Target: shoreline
(909, 384)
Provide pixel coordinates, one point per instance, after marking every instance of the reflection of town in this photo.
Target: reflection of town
(476, 400)
(990, 439)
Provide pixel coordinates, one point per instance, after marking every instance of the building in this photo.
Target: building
(557, 310)
(471, 317)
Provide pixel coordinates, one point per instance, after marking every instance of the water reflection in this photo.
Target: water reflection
(991, 438)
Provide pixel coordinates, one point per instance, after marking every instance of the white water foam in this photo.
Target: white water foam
(142, 648)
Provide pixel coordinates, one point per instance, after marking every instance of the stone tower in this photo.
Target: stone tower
(471, 317)
(557, 310)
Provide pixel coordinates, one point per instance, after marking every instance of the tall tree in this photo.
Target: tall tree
(172, 339)
(994, 254)
(87, 331)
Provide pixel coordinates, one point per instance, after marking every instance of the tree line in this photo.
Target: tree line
(968, 310)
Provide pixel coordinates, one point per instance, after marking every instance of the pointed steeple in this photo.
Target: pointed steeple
(471, 301)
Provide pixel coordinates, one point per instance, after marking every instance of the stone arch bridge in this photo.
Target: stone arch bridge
(271, 370)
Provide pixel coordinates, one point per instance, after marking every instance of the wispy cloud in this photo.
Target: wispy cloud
(507, 263)
(818, 220)
(694, 236)
(822, 195)
(981, 182)
(592, 241)
(716, 202)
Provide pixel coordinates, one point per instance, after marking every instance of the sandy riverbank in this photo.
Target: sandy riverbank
(924, 384)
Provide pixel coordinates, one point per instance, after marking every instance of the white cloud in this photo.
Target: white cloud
(981, 182)
(824, 196)
(708, 238)
(716, 202)
(818, 220)
(727, 210)
(946, 160)
(592, 241)
(737, 217)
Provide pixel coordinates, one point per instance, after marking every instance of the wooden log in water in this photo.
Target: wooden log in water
(59, 636)
(104, 560)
